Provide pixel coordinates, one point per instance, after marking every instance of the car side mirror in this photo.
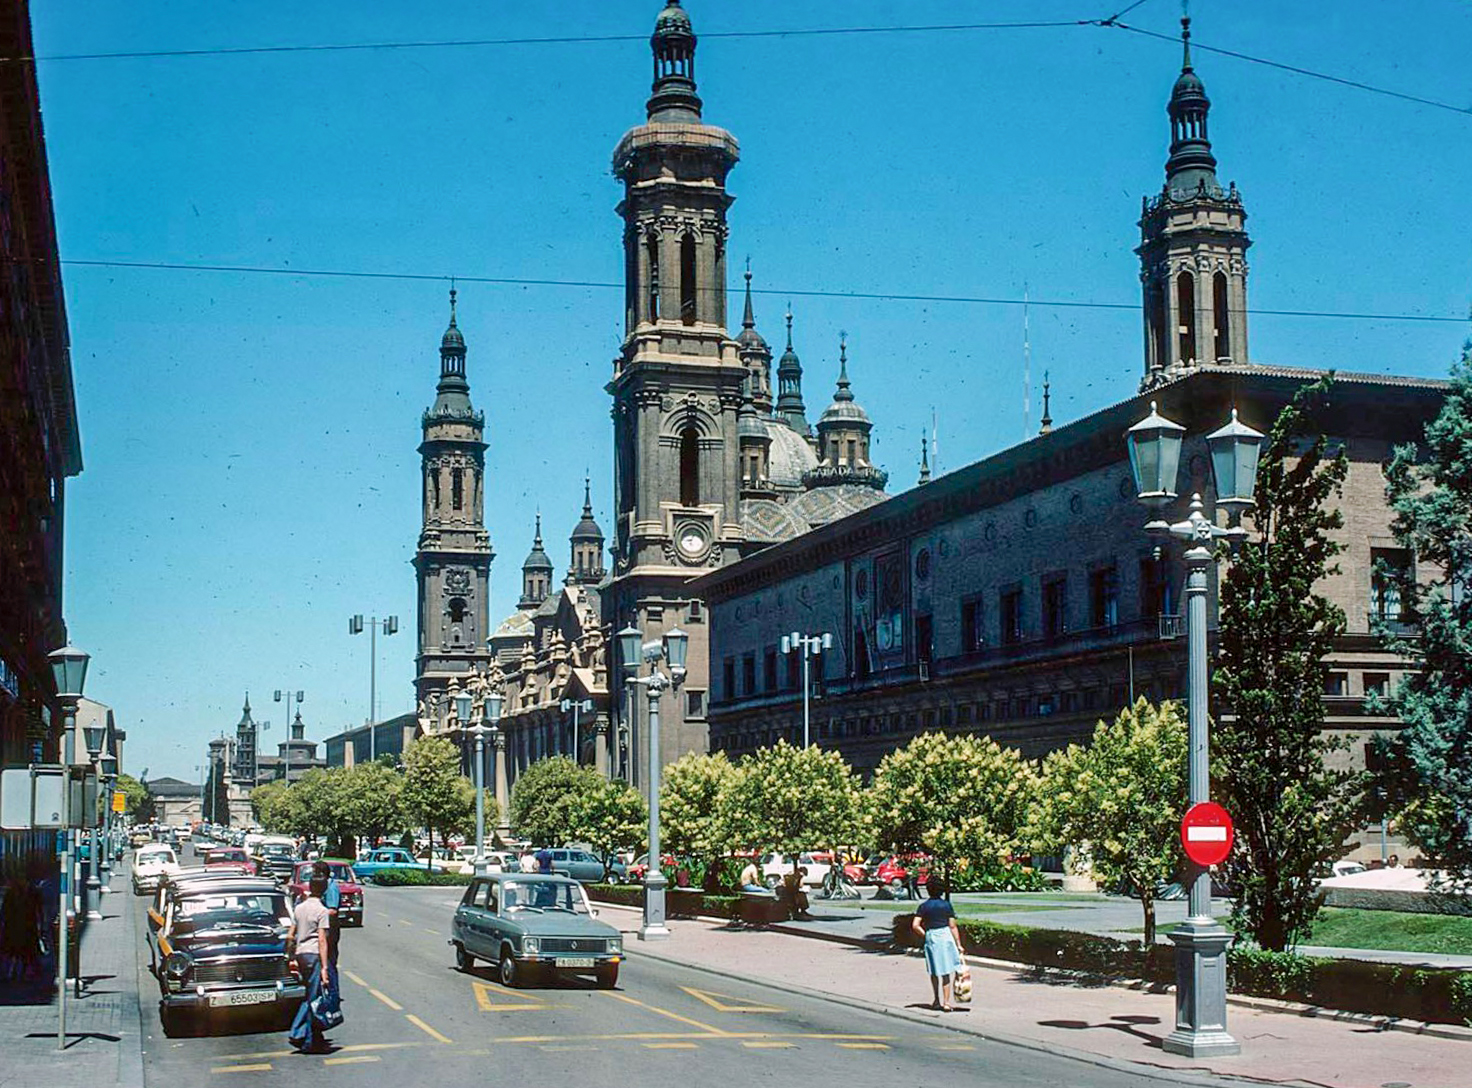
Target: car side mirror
(595, 912)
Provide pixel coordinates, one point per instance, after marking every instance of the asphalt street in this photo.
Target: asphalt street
(413, 1019)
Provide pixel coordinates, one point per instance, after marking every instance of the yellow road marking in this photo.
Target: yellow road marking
(765, 1044)
(288, 1053)
(258, 1067)
(483, 994)
(559, 1049)
(671, 1046)
(730, 1004)
(390, 1002)
(665, 1012)
(356, 979)
(957, 1047)
(405, 922)
(864, 1046)
(638, 1035)
(352, 1060)
(422, 1026)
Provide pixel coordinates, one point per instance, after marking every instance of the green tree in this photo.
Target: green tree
(370, 794)
(791, 799)
(435, 795)
(547, 800)
(1118, 801)
(271, 804)
(1293, 811)
(954, 797)
(612, 816)
(139, 798)
(1429, 772)
(690, 799)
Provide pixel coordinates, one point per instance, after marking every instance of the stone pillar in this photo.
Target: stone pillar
(503, 795)
(600, 744)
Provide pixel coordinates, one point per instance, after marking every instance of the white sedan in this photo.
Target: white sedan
(777, 866)
(150, 863)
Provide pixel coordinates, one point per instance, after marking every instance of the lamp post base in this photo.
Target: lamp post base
(654, 928)
(1201, 992)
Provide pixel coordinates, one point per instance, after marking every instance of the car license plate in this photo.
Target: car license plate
(574, 961)
(242, 997)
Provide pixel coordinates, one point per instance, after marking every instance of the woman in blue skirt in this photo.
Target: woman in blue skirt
(935, 921)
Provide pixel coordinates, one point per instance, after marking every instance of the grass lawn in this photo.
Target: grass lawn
(963, 910)
(1394, 931)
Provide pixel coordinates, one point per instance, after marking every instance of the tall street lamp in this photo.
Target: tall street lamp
(390, 626)
(675, 645)
(578, 707)
(69, 669)
(92, 890)
(464, 708)
(287, 695)
(1155, 455)
(808, 646)
(109, 767)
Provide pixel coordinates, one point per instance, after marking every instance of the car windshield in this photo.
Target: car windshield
(338, 870)
(224, 855)
(146, 857)
(231, 910)
(275, 849)
(543, 895)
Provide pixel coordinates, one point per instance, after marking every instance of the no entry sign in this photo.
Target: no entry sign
(1206, 833)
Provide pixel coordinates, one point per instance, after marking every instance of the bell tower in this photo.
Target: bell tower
(679, 377)
(453, 560)
(1193, 248)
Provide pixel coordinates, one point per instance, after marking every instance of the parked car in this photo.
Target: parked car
(585, 867)
(275, 855)
(497, 861)
(530, 924)
(777, 866)
(150, 863)
(224, 951)
(380, 858)
(169, 888)
(895, 870)
(229, 857)
(350, 909)
(634, 872)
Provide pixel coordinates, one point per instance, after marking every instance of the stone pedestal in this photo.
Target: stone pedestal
(1201, 991)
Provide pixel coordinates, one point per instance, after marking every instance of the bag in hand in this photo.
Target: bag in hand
(327, 1009)
(961, 988)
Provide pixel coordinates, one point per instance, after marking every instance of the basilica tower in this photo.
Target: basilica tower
(1193, 248)
(679, 378)
(453, 560)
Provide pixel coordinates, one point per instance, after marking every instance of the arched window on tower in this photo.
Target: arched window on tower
(457, 489)
(687, 279)
(1186, 316)
(1158, 340)
(690, 467)
(652, 247)
(1223, 347)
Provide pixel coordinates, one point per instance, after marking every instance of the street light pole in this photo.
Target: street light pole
(807, 645)
(300, 695)
(390, 626)
(673, 649)
(577, 706)
(69, 669)
(1201, 942)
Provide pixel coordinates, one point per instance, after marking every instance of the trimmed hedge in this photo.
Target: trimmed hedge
(1378, 989)
(398, 878)
(680, 902)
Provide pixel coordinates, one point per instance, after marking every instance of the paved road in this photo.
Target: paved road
(412, 1019)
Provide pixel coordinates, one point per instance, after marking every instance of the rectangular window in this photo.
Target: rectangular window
(1336, 683)
(963, 714)
(1055, 607)
(1104, 597)
(1156, 595)
(769, 669)
(973, 636)
(1377, 683)
(794, 672)
(695, 612)
(1010, 614)
(728, 677)
(924, 638)
(694, 704)
(1390, 572)
(748, 674)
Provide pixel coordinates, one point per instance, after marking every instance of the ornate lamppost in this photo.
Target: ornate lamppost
(809, 646)
(92, 889)
(578, 708)
(69, 669)
(1155, 456)
(673, 648)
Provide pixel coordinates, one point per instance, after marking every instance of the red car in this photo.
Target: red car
(229, 857)
(350, 909)
(896, 870)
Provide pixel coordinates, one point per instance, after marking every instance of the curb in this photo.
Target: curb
(1424, 1028)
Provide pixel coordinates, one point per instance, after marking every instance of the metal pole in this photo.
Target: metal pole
(480, 801)
(69, 725)
(577, 751)
(498, 741)
(654, 928)
(92, 890)
(1201, 944)
(372, 690)
(806, 687)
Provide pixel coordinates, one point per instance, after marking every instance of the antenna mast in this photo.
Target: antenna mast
(1026, 370)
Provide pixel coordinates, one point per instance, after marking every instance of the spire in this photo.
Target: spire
(1191, 165)
(789, 386)
(673, 98)
(537, 543)
(747, 320)
(924, 459)
(1047, 418)
(587, 496)
(843, 392)
(298, 727)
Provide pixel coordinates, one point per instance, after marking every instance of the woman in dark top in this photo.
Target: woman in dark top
(935, 920)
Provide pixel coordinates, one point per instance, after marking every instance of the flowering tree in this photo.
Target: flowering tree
(690, 800)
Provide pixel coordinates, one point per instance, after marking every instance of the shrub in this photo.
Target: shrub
(997, 877)
(398, 878)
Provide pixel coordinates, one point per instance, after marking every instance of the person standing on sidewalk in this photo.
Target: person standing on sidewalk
(935, 921)
(312, 935)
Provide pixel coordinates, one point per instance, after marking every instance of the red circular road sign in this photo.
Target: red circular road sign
(1206, 833)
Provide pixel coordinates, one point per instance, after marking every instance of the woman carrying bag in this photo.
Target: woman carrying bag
(935, 921)
(312, 935)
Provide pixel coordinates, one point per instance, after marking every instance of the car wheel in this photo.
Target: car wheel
(896, 884)
(510, 976)
(173, 1022)
(608, 976)
(464, 961)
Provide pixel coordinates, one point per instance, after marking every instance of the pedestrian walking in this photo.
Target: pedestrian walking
(332, 900)
(544, 860)
(528, 862)
(935, 921)
(311, 937)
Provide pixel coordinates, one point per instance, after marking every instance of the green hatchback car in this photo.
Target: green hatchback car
(531, 923)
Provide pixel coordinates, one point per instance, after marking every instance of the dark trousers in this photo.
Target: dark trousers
(306, 1034)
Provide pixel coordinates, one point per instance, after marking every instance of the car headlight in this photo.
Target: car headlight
(177, 964)
(531, 945)
(616, 945)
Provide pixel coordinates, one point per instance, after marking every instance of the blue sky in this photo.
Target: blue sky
(251, 477)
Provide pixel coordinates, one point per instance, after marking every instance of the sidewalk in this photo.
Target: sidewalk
(104, 1040)
(1107, 1025)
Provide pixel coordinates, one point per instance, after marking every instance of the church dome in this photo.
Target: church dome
(586, 530)
(537, 558)
(790, 456)
(673, 21)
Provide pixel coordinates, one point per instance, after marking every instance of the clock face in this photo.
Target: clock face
(692, 542)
